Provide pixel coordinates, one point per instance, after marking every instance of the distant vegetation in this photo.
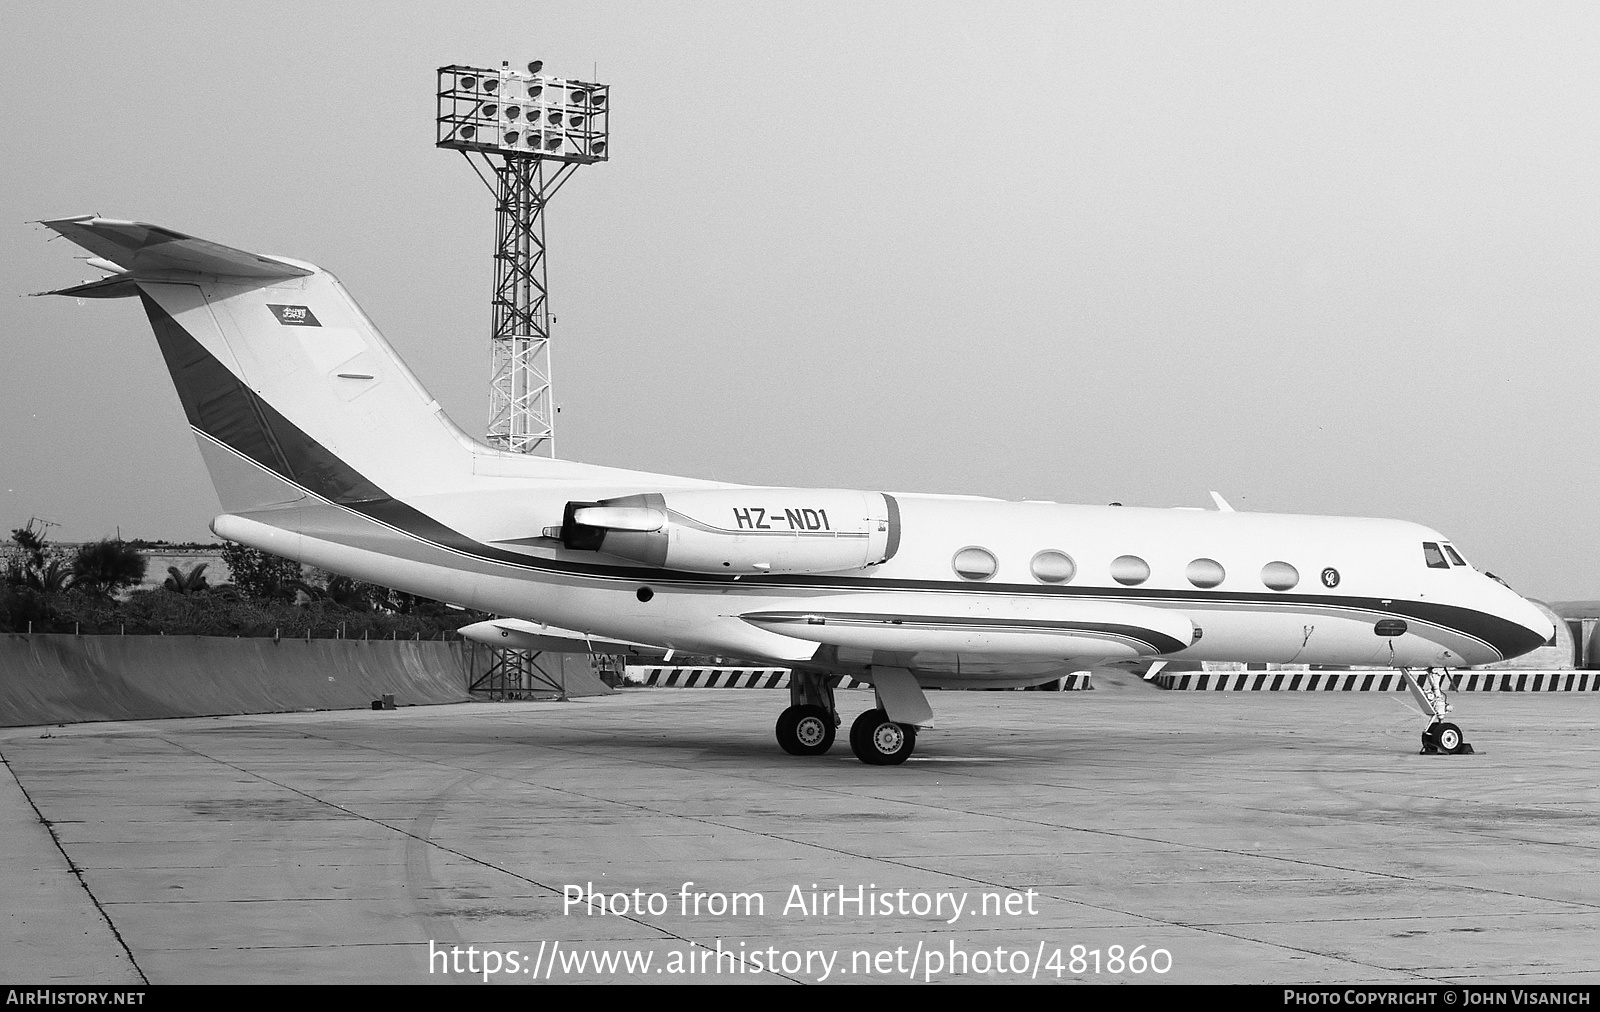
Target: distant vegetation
(88, 591)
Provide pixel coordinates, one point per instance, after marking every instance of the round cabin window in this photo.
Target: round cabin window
(974, 563)
(1280, 575)
(1205, 573)
(1129, 570)
(1051, 566)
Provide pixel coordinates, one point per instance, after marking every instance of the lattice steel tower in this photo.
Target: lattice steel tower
(531, 131)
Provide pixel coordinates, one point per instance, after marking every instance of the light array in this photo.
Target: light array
(527, 113)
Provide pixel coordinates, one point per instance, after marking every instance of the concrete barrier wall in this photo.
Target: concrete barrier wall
(58, 679)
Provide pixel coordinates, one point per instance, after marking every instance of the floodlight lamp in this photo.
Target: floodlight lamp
(520, 115)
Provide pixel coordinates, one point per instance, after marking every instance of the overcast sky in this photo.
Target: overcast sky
(1324, 258)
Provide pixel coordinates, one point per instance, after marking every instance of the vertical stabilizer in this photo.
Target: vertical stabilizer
(288, 386)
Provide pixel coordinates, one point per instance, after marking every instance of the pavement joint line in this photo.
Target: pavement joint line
(431, 843)
(909, 865)
(462, 748)
(1174, 843)
(73, 867)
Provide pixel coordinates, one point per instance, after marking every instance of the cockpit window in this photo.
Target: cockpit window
(1455, 556)
(1434, 557)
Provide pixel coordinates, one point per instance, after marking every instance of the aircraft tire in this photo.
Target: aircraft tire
(878, 741)
(1448, 738)
(805, 730)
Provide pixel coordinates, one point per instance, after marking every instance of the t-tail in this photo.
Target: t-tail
(289, 388)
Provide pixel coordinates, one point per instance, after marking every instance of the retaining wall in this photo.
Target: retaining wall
(59, 679)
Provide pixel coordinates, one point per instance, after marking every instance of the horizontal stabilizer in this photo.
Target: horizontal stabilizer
(142, 249)
(118, 286)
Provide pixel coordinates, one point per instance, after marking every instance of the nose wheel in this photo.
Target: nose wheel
(1444, 738)
(1441, 736)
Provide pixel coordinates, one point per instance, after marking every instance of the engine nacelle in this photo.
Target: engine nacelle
(740, 530)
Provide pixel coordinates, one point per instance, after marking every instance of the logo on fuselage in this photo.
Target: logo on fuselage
(294, 316)
(1330, 578)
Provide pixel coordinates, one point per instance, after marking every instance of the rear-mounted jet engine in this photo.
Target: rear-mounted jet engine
(739, 531)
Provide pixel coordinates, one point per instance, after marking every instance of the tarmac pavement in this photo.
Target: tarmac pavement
(1235, 837)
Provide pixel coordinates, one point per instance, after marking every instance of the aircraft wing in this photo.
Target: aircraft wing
(973, 625)
(142, 248)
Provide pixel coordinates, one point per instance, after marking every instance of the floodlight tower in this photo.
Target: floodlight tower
(532, 131)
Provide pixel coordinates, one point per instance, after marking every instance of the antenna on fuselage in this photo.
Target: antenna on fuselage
(1222, 504)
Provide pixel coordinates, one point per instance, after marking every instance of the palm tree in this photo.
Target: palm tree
(103, 567)
(54, 578)
(191, 582)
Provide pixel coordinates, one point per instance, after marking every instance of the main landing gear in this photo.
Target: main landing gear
(878, 741)
(1441, 736)
(806, 730)
(808, 726)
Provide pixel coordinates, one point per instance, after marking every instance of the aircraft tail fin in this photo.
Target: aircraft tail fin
(288, 386)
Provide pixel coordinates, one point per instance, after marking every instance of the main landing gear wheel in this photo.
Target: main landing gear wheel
(805, 730)
(1445, 737)
(878, 741)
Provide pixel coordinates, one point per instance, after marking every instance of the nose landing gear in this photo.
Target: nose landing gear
(1446, 738)
(1441, 737)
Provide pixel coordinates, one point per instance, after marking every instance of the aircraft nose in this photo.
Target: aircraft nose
(1525, 628)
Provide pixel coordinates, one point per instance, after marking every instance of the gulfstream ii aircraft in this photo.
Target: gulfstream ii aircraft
(325, 448)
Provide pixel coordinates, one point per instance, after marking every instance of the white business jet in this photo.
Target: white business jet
(325, 448)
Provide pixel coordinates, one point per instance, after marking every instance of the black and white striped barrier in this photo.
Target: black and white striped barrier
(718, 678)
(1078, 681)
(1387, 680)
(772, 678)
